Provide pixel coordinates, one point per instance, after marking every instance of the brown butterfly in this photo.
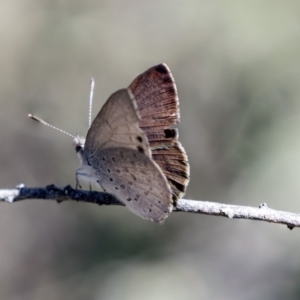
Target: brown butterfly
(131, 150)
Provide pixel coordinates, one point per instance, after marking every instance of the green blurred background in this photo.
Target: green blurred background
(237, 69)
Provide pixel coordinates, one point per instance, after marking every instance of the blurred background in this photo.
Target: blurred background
(237, 69)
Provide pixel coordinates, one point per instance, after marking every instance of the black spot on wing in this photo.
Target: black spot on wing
(170, 133)
(140, 149)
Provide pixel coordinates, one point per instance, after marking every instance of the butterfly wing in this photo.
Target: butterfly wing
(135, 180)
(157, 100)
(117, 125)
(117, 156)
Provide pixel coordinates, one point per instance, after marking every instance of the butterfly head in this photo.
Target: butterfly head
(79, 145)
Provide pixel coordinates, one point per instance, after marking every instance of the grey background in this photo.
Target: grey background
(237, 69)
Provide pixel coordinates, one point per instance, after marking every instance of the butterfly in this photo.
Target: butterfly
(130, 149)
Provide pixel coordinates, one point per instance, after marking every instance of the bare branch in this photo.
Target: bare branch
(261, 213)
(53, 192)
(59, 194)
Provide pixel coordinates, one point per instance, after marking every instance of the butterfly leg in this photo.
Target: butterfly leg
(77, 182)
(85, 175)
(104, 190)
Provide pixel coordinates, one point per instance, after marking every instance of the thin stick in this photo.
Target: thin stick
(52, 192)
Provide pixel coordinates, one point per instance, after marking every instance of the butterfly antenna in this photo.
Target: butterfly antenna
(91, 101)
(35, 118)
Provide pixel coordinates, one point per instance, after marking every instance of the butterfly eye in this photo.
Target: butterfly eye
(78, 148)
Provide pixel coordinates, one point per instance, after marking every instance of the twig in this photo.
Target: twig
(60, 194)
(53, 192)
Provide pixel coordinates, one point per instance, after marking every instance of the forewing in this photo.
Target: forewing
(117, 125)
